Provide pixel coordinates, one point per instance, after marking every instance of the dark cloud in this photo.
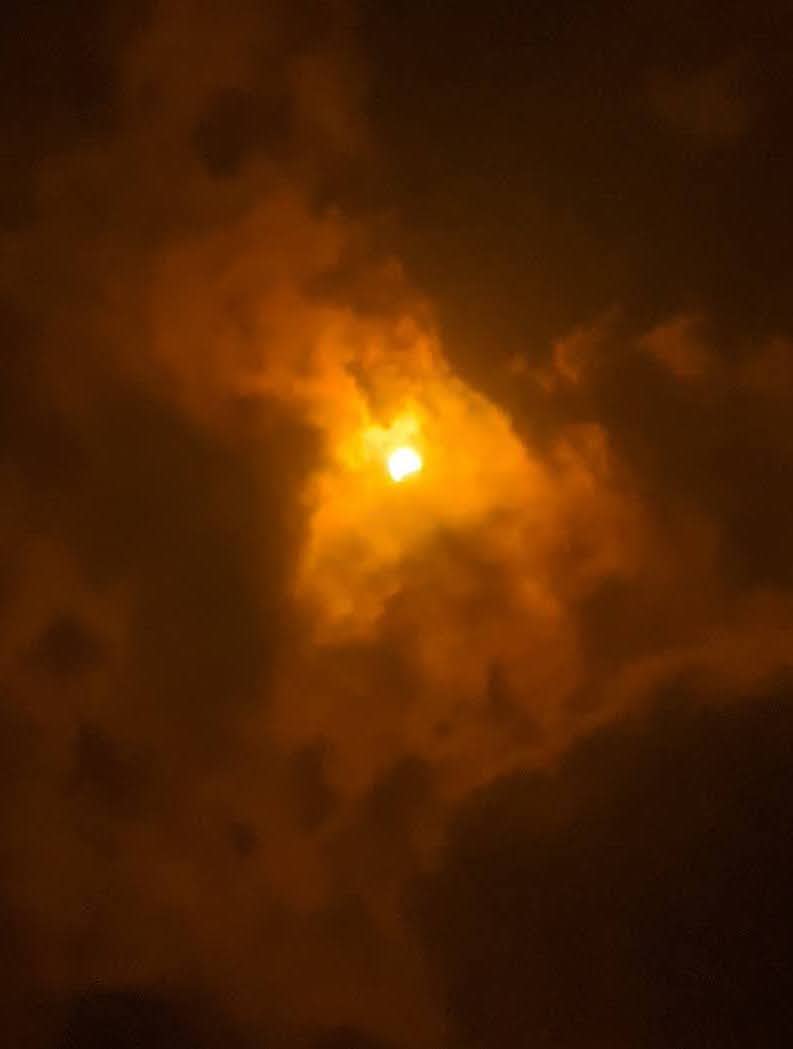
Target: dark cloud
(540, 188)
(694, 429)
(639, 893)
(59, 86)
(315, 799)
(66, 648)
(103, 771)
(244, 839)
(132, 1019)
(347, 1038)
(32, 438)
(235, 125)
(169, 510)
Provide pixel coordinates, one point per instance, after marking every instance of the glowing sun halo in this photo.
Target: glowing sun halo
(403, 462)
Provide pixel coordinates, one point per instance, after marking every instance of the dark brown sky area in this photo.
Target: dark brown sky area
(295, 757)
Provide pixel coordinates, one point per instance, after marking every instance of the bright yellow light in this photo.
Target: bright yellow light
(403, 462)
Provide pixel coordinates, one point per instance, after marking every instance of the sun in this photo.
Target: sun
(403, 462)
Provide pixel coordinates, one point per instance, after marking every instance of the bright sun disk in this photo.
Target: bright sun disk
(403, 462)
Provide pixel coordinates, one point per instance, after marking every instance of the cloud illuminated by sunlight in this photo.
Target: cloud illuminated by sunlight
(365, 532)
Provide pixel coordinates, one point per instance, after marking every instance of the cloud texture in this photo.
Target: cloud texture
(293, 755)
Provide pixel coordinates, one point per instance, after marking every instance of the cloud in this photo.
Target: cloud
(250, 684)
(632, 894)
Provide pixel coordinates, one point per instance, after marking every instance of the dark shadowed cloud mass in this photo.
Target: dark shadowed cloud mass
(294, 756)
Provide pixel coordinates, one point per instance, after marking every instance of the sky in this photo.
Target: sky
(292, 755)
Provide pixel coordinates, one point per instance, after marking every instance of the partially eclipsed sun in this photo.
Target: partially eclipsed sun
(403, 462)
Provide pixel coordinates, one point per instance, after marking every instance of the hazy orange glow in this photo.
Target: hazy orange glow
(365, 537)
(403, 462)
